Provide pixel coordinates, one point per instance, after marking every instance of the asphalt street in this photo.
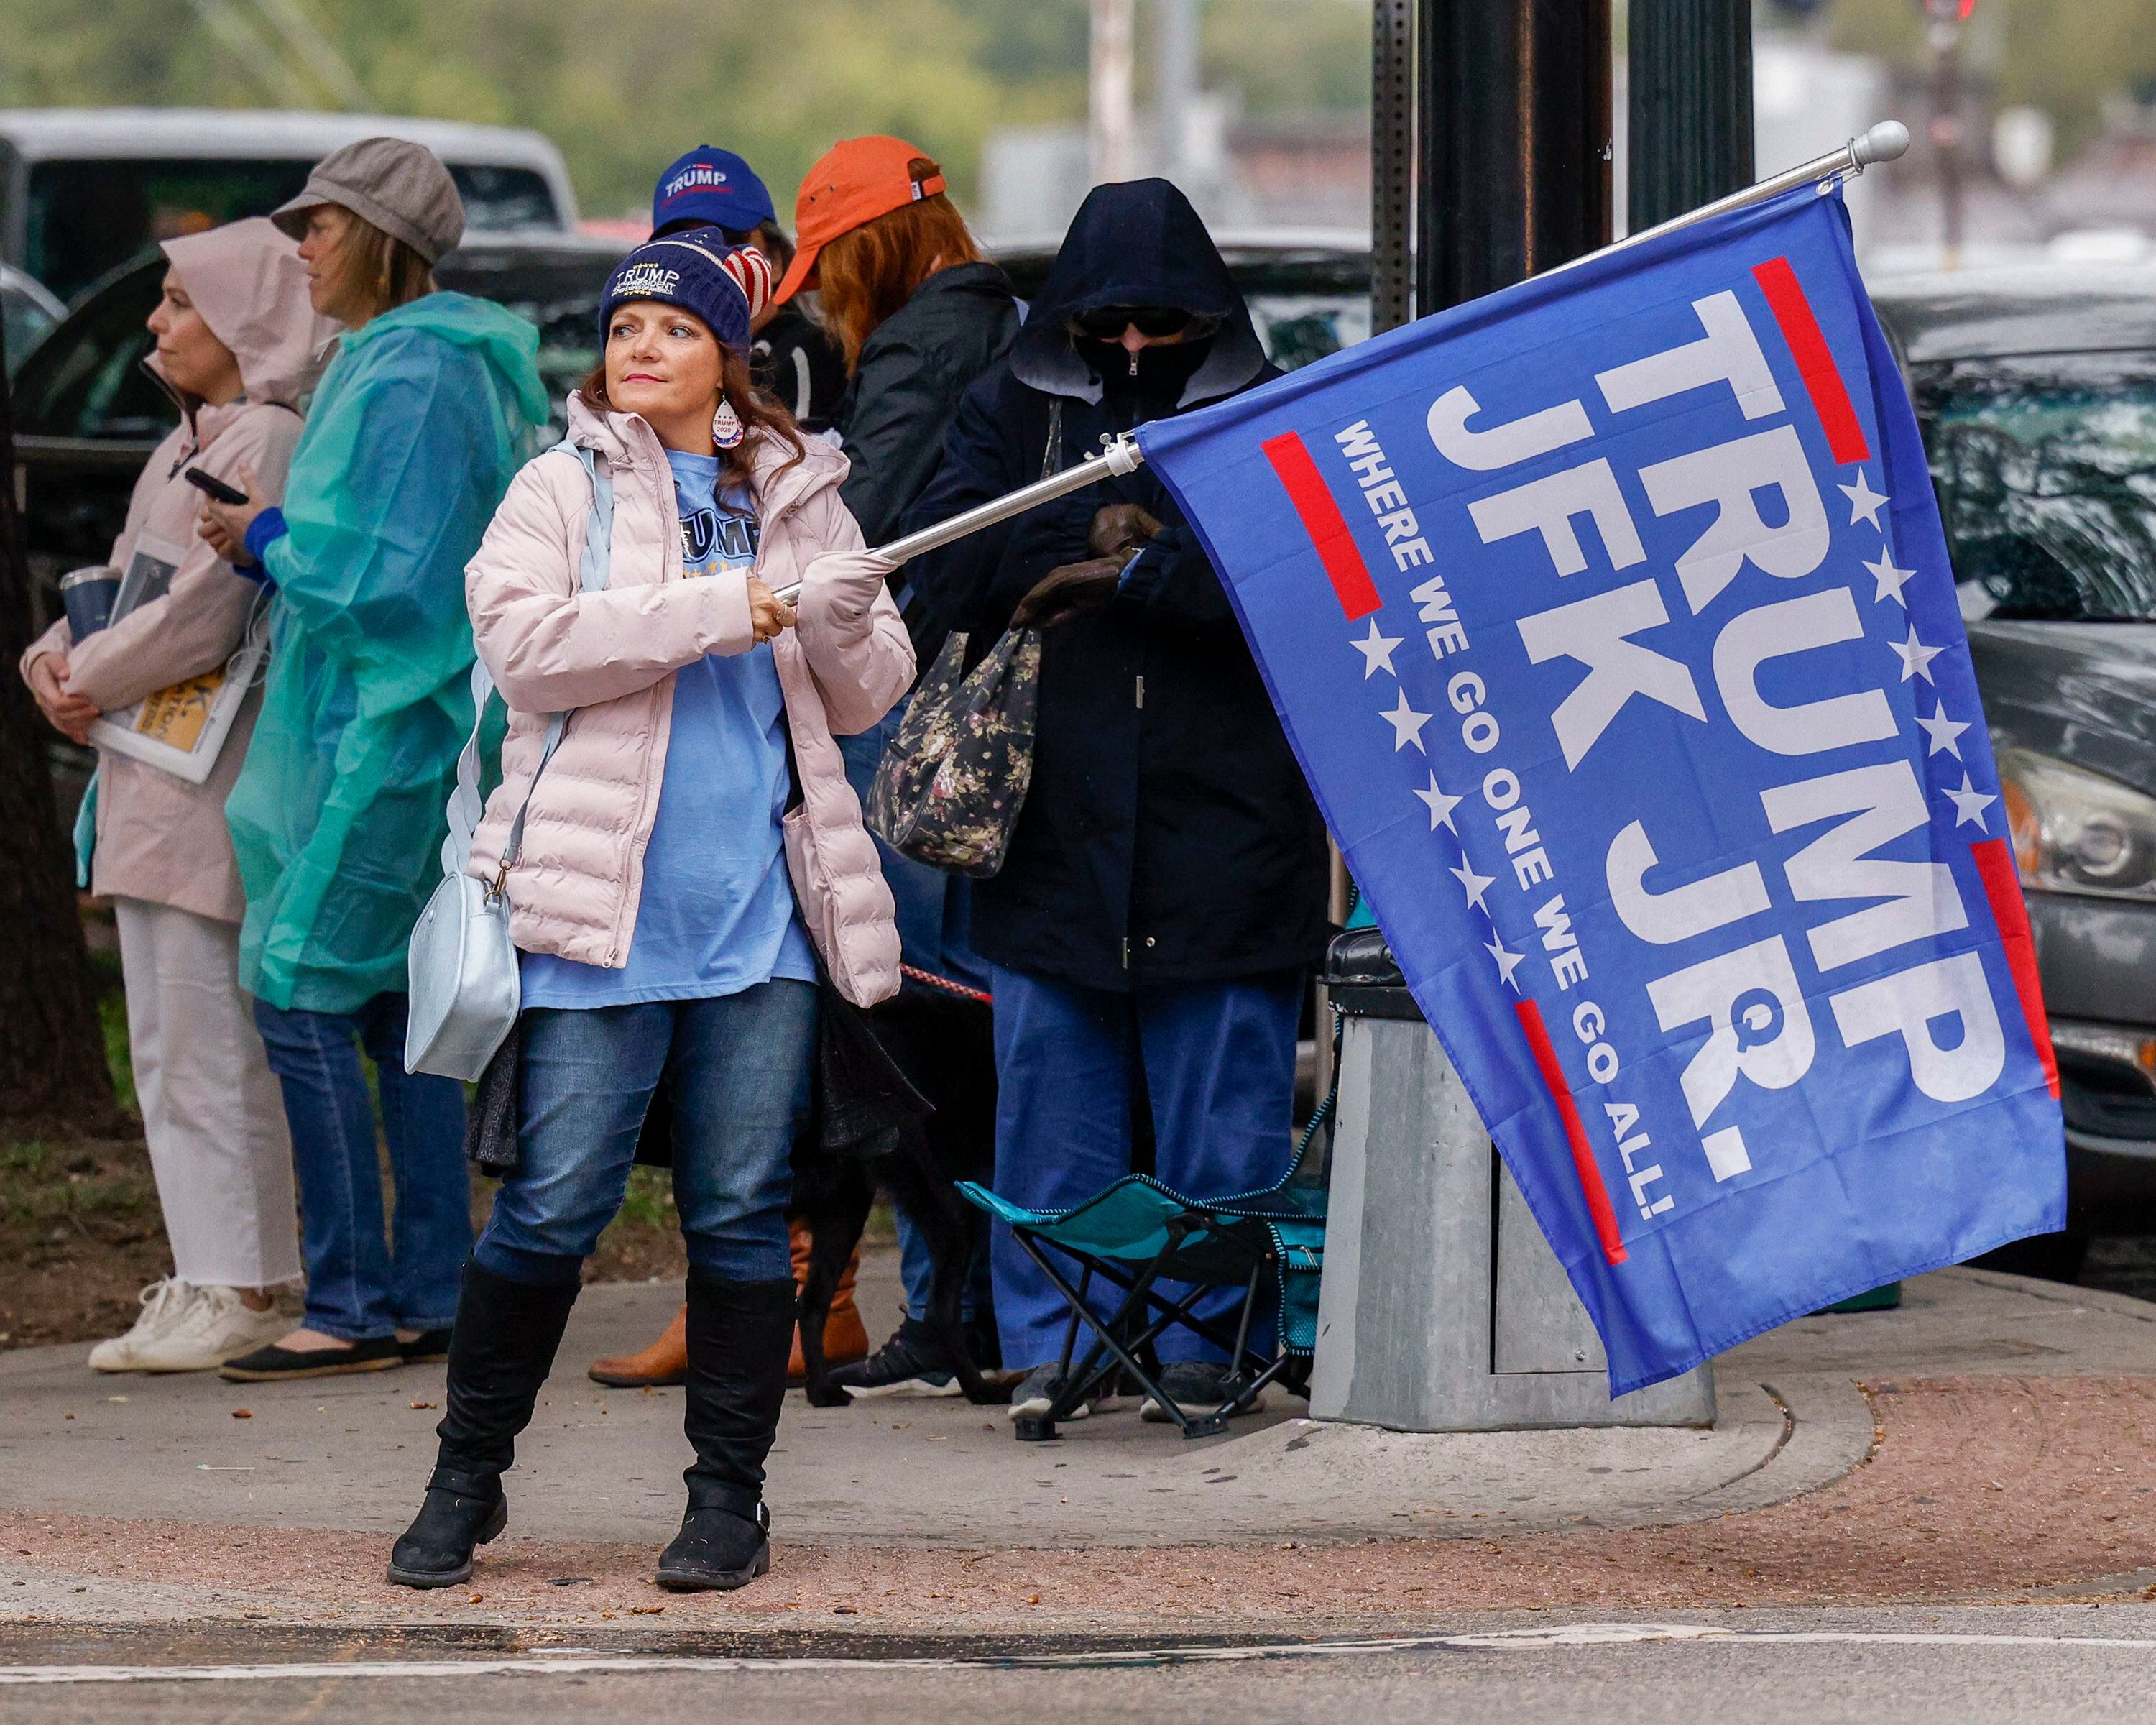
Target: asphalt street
(1965, 1666)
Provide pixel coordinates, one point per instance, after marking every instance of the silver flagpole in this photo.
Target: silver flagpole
(1883, 142)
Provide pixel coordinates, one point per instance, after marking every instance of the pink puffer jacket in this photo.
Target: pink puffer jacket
(611, 655)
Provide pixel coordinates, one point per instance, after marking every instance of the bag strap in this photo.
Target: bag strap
(465, 806)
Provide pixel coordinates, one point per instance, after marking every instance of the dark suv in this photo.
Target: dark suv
(88, 415)
(2036, 391)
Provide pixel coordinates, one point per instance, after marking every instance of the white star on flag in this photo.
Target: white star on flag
(1407, 725)
(1440, 805)
(1916, 657)
(1864, 503)
(1477, 885)
(1942, 732)
(1968, 804)
(1890, 580)
(1507, 963)
(1377, 651)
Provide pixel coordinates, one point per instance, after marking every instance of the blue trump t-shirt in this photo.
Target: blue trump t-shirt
(717, 913)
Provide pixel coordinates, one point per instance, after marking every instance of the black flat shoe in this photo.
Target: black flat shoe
(436, 1550)
(716, 1551)
(426, 1347)
(275, 1362)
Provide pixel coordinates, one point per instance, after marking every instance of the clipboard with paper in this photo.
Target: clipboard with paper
(180, 730)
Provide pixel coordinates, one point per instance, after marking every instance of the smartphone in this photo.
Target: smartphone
(216, 487)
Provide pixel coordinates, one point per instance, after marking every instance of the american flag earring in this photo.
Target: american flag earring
(725, 425)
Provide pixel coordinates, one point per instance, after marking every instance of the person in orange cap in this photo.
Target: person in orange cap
(920, 315)
(918, 310)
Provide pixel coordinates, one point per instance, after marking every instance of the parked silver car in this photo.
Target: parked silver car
(2036, 391)
(85, 189)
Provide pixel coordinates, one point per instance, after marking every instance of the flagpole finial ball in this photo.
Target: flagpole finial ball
(1887, 141)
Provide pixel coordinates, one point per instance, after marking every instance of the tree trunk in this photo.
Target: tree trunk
(52, 1048)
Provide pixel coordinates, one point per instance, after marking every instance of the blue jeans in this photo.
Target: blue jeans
(1216, 1061)
(737, 1068)
(916, 1271)
(364, 1282)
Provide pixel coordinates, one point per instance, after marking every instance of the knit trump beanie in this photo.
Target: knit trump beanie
(725, 285)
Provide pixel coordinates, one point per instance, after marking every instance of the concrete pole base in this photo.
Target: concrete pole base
(1443, 1309)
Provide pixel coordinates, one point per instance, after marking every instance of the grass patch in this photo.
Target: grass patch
(119, 1054)
(56, 1193)
(79, 1234)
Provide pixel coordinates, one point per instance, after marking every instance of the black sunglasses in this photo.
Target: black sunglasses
(1105, 322)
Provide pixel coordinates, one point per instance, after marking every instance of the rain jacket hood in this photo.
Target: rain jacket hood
(247, 280)
(157, 837)
(421, 420)
(1138, 242)
(505, 343)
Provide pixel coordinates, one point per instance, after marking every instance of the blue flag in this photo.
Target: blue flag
(1611, 620)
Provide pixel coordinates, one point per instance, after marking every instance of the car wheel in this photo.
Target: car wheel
(2050, 1257)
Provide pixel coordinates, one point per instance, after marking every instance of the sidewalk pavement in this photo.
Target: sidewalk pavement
(1988, 1439)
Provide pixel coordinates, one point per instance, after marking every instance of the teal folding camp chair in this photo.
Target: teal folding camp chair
(1137, 1235)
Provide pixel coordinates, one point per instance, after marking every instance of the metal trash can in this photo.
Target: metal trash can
(1443, 1307)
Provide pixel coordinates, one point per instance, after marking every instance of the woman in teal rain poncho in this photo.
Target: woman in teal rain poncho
(338, 814)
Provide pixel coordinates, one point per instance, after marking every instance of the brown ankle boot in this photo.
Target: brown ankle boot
(665, 1361)
(845, 1338)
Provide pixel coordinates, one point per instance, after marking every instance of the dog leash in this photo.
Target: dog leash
(928, 978)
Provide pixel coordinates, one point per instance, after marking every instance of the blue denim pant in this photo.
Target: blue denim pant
(737, 1068)
(364, 1280)
(1217, 1062)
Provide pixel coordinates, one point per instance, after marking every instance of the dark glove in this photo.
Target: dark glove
(1119, 530)
(1065, 592)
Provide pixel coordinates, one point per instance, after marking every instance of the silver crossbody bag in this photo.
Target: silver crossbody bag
(462, 964)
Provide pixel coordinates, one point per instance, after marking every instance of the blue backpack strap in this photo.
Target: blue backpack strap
(599, 531)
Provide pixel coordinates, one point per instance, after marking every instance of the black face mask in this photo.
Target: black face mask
(1162, 369)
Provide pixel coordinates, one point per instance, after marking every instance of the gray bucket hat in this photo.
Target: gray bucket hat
(402, 187)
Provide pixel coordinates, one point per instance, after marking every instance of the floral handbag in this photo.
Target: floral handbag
(951, 784)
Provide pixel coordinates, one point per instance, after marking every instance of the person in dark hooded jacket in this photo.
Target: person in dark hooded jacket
(1164, 892)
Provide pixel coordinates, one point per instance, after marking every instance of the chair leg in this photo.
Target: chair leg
(1243, 1322)
(1091, 1370)
(1040, 1428)
(1065, 1401)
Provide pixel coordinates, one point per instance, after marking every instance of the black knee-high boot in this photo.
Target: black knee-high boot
(499, 1353)
(739, 1334)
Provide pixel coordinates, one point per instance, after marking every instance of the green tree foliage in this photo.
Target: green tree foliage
(1291, 56)
(2064, 56)
(622, 86)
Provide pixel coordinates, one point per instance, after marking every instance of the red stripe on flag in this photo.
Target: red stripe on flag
(1582, 1158)
(1793, 311)
(1326, 527)
(2002, 885)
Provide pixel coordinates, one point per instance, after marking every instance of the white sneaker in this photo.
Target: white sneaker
(1035, 1395)
(215, 1327)
(164, 1303)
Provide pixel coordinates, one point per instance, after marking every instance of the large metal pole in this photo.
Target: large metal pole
(1515, 138)
(1175, 85)
(1392, 163)
(1948, 132)
(1108, 89)
(1688, 105)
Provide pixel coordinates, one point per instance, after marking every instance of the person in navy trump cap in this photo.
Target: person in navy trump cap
(711, 188)
(790, 355)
